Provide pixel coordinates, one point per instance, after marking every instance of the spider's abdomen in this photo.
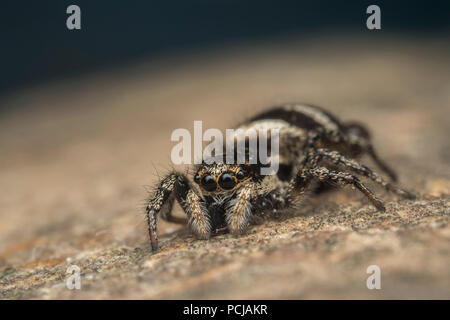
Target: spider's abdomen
(301, 116)
(294, 122)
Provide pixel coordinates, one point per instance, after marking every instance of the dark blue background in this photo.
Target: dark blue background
(36, 45)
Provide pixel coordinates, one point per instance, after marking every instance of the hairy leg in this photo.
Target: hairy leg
(298, 187)
(176, 186)
(300, 183)
(343, 178)
(361, 143)
(339, 159)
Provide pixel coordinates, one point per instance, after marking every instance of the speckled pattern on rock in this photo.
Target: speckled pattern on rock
(76, 155)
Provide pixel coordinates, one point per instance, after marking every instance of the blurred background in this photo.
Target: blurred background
(37, 47)
(85, 123)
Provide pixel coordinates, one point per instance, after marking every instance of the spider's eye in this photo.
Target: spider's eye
(197, 178)
(226, 181)
(209, 183)
(240, 175)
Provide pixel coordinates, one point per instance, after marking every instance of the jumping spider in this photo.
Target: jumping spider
(313, 147)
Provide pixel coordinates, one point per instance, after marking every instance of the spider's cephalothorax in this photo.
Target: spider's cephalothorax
(313, 147)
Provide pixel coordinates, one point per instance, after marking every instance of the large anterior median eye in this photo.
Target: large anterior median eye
(208, 183)
(226, 181)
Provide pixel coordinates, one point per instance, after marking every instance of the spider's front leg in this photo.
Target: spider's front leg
(238, 212)
(176, 186)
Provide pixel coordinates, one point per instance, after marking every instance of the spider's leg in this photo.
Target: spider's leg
(238, 211)
(339, 159)
(361, 143)
(343, 178)
(298, 187)
(313, 138)
(359, 138)
(161, 200)
(166, 211)
(380, 163)
(175, 186)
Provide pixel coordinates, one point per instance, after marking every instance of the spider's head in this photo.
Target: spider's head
(221, 177)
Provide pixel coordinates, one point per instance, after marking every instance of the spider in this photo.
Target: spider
(314, 148)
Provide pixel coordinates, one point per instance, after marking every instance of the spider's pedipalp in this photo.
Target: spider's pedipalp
(238, 212)
(198, 218)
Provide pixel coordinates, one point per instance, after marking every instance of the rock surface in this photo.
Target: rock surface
(76, 155)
